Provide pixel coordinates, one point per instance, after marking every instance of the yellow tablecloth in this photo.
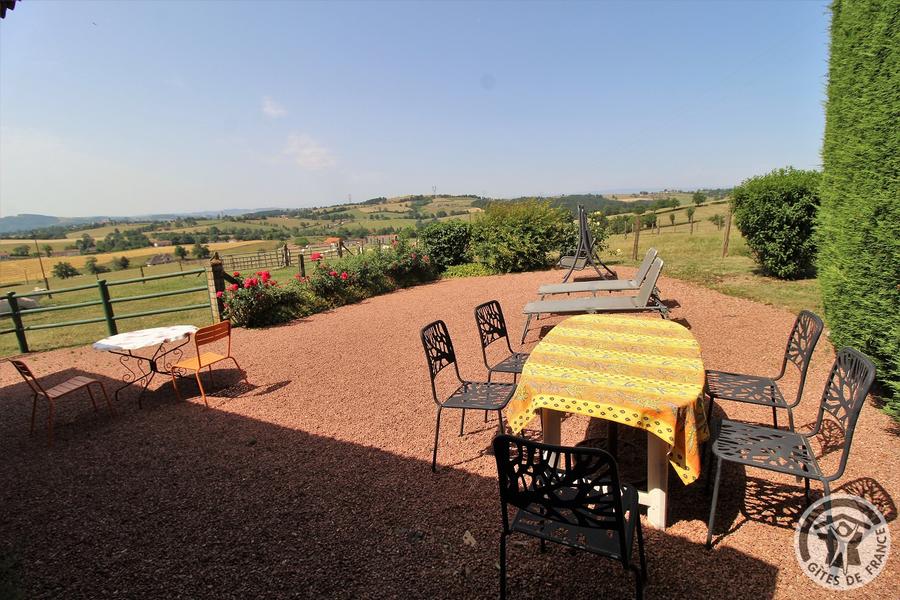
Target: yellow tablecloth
(639, 372)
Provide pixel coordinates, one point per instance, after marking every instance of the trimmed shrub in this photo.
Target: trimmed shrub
(776, 213)
(520, 236)
(466, 270)
(859, 222)
(447, 242)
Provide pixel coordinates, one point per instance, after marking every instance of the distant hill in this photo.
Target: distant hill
(28, 222)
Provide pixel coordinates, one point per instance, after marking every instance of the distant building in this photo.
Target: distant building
(161, 243)
(159, 259)
(4, 255)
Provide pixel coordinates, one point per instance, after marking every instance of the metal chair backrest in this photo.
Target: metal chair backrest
(646, 289)
(642, 271)
(28, 376)
(570, 486)
(491, 325)
(845, 393)
(805, 334)
(213, 333)
(438, 351)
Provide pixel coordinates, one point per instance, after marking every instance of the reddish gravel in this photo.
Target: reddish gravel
(315, 480)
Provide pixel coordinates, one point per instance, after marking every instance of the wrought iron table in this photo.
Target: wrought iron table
(643, 373)
(160, 361)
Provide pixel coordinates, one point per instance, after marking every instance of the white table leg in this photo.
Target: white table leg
(657, 480)
(550, 425)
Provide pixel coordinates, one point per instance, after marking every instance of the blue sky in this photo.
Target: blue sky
(133, 107)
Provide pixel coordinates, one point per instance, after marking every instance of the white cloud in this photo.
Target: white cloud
(273, 109)
(308, 153)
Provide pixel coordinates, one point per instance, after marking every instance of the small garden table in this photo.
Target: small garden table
(160, 361)
(644, 373)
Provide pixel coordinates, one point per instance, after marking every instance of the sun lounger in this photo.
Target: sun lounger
(615, 285)
(644, 301)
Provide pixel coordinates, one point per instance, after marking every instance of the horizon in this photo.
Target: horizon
(132, 109)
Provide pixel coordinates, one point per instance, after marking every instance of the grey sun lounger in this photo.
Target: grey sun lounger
(606, 285)
(644, 301)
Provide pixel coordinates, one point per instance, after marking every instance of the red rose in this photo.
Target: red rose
(344, 275)
(315, 256)
(219, 294)
(236, 274)
(333, 273)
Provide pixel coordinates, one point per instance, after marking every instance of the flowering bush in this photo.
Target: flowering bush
(258, 300)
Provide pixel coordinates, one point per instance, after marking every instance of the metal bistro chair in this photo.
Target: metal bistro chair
(470, 394)
(787, 452)
(570, 496)
(492, 327)
(205, 336)
(56, 392)
(764, 391)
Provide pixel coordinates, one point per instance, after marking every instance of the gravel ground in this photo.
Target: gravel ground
(315, 480)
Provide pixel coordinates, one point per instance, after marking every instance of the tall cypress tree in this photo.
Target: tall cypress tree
(859, 218)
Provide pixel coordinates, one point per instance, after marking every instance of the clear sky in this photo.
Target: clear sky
(126, 108)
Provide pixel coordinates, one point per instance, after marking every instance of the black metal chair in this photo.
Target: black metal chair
(569, 496)
(764, 391)
(470, 394)
(787, 452)
(492, 327)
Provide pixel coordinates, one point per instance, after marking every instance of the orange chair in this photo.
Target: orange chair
(204, 337)
(57, 391)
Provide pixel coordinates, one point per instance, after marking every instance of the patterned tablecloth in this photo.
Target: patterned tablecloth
(639, 372)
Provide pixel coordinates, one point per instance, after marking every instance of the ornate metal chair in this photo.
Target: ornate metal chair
(470, 394)
(492, 327)
(56, 392)
(569, 496)
(787, 452)
(764, 391)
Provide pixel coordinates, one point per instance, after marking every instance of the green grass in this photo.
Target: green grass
(698, 259)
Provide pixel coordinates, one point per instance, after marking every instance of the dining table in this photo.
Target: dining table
(161, 348)
(630, 371)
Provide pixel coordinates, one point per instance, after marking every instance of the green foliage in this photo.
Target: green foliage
(23, 250)
(198, 250)
(121, 263)
(301, 241)
(447, 242)
(466, 270)
(180, 251)
(91, 266)
(776, 213)
(47, 249)
(64, 270)
(698, 198)
(859, 222)
(257, 300)
(520, 236)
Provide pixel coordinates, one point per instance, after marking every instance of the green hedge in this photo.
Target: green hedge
(447, 242)
(776, 213)
(859, 220)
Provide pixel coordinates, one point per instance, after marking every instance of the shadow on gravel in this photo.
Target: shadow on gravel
(188, 502)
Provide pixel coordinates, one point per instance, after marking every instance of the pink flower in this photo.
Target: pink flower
(233, 287)
(219, 294)
(425, 259)
(316, 256)
(236, 274)
(333, 273)
(344, 276)
(412, 254)
(265, 276)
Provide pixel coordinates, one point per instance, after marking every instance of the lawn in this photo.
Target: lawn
(698, 258)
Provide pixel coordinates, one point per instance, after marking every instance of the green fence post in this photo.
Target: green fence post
(107, 308)
(17, 321)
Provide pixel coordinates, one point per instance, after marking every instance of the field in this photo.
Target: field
(698, 258)
(28, 270)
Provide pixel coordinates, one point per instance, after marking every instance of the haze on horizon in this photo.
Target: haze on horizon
(152, 107)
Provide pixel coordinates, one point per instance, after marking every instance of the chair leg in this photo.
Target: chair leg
(243, 372)
(49, 423)
(640, 540)
(175, 387)
(806, 490)
(712, 506)
(437, 431)
(775, 417)
(501, 425)
(502, 566)
(34, 410)
(462, 422)
(489, 381)
(112, 409)
(200, 384)
(93, 400)
(638, 582)
(790, 418)
(525, 329)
